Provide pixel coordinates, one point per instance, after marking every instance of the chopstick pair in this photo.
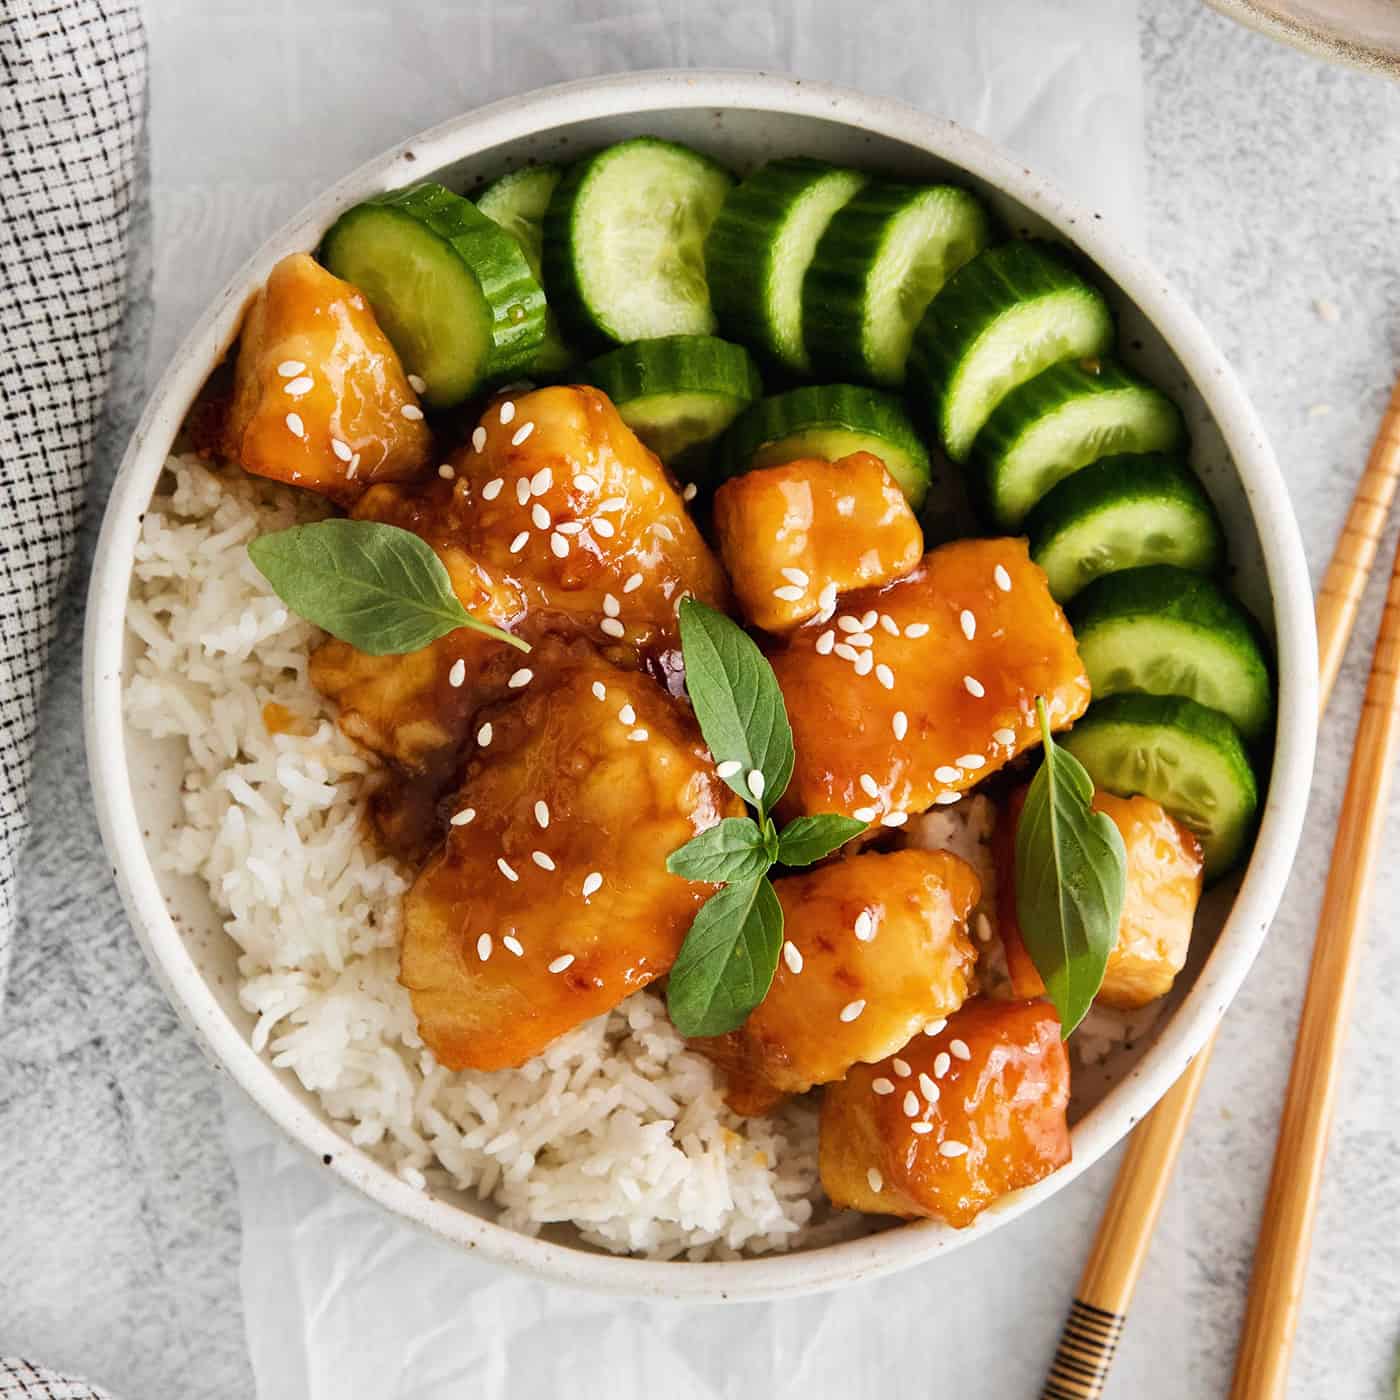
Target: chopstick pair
(1081, 1365)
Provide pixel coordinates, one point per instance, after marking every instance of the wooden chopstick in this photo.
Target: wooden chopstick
(1081, 1365)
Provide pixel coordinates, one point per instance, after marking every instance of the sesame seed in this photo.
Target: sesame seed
(521, 677)
(911, 1103)
(870, 785)
(611, 627)
(353, 467)
(969, 624)
(562, 963)
(865, 926)
(797, 576)
(900, 724)
(959, 1049)
(916, 630)
(1004, 736)
(946, 799)
(728, 768)
(541, 481)
(894, 819)
(464, 817)
(972, 761)
(302, 384)
(604, 528)
(844, 652)
(483, 735)
(921, 1128)
(885, 676)
(507, 411)
(542, 518)
(289, 368)
(519, 542)
(889, 624)
(521, 433)
(542, 859)
(592, 883)
(412, 412)
(851, 1010)
(610, 605)
(294, 425)
(949, 1148)
(928, 1088)
(627, 715)
(600, 690)
(512, 943)
(584, 482)
(882, 1085)
(936, 1027)
(634, 582)
(792, 957)
(506, 869)
(522, 489)
(873, 1177)
(825, 642)
(864, 814)
(570, 527)
(847, 623)
(984, 928)
(947, 774)
(483, 947)
(690, 491)
(789, 593)
(663, 532)
(418, 384)
(864, 663)
(859, 640)
(901, 1067)
(558, 546)
(827, 597)
(941, 1064)
(1003, 578)
(492, 489)
(613, 504)
(974, 687)
(341, 449)
(867, 620)
(478, 439)
(457, 674)
(542, 814)
(754, 782)
(446, 472)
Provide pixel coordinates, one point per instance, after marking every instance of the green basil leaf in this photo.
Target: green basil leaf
(727, 961)
(737, 702)
(734, 850)
(806, 839)
(1071, 876)
(380, 588)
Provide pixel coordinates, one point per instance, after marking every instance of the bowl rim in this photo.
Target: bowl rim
(638, 94)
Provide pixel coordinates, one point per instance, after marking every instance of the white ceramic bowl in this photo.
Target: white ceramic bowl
(742, 119)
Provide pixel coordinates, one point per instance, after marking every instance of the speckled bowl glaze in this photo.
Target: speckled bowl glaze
(741, 118)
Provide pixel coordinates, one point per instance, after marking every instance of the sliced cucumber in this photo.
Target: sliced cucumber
(1066, 417)
(880, 262)
(624, 242)
(829, 421)
(517, 201)
(1161, 630)
(1188, 758)
(1121, 513)
(679, 391)
(452, 291)
(761, 246)
(1008, 314)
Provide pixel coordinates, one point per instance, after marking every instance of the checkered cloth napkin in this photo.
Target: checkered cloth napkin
(72, 107)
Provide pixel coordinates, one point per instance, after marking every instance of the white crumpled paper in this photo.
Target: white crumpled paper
(342, 1301)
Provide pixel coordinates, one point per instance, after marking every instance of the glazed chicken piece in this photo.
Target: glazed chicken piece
(556, 491)
(954, 1120)
(876, 949)
(793, 537)
(885, 725)
(1159, 906)
(550, 901)
(320, 399)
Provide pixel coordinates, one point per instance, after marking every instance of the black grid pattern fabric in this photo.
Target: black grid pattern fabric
(72, 103)
(21, 1380)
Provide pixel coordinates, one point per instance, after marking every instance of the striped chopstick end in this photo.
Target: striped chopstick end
(1081, 1365)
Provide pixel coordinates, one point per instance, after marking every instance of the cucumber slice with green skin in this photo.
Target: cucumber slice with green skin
(624, 242)
(761, 246)
(679, 391)
(1011, 312)
(1060, 421)
(1123, 512)
(829, 421)
(452, 290)
(880, 262)
(1161, 630)
(517, 201)
(1188, 758)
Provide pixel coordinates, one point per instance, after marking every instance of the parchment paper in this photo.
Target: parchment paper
(341, 1300)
